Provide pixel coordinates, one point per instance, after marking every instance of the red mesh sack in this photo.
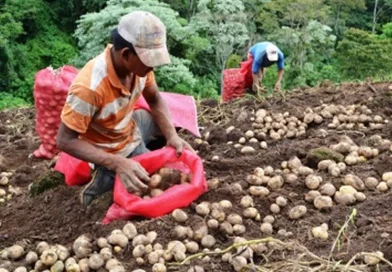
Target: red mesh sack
(233, 84)
(246, 72)
(178, 196)
(50, 92)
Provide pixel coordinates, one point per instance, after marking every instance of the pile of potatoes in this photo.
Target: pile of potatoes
(345, 117)
(163, 180)
(7, 191)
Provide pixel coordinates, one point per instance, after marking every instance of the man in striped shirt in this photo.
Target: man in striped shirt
(98, 122)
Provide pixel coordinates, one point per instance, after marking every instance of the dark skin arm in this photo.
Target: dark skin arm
(131, 173)
(161, 116)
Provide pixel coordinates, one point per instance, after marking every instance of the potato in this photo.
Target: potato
(258, 191)
(276, 182)
(266, 228)
(82, 246)
(321, 232)
(305, 171)
(226, 228)
(281, 201)
(387, 176)
(371, 183)
(239, 229)
(156, 192)
(250, 213)
(247, 201)
(238, 263)
(218, 214)
(290, 178)
(153, 258)
(263, 145)
(225, 204)
(242, 140)
(152, 236)
(181, 232)
(313, 182)
(57, 267)
(118, 268)
(62, 252)
(328, 189)
(249, 134)
(297, 212)
(117, 249)
(234, 219)
(248, 150)
(110, 264)
(196, 269)
(347, 189)
(24, 269)
(200, 231)
(140, 261)
(294, 163)
(269, 219)
(118, 239)
(382, 186)
(259, 249)
(73, 268)
(268, 171)
(39, 266)
(254, 180)
(192, 247)
(4, 181)
(323, 202)
(360, 196)
(213, 224)
(148, 248)
(354, 181)
(138, 251)
(344, 199)
(15, 252)
(49, 257)
(215, 158)
(140, 239)
(69, 262)
(84, 266)
(208, 241)
(334, 170)
(106, 253)
(324, 164)
(373, 260)
(158, 267)
(155, 181)
(179, 216)
(129, 230)
(274, 208)
(203, 209)
(213, 183)
(31, 258)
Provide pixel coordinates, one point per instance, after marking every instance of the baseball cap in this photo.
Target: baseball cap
(147, 34)
(272, 52)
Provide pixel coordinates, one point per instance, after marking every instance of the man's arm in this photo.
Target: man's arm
(161, 115)
(130, 172)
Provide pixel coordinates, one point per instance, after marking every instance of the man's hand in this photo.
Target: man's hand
(179, 144)
(132, 175)
(277, 86)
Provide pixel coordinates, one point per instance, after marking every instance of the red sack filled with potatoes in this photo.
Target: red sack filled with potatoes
(50, 92)
(188, 186)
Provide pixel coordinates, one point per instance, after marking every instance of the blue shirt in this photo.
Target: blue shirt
(260, 59)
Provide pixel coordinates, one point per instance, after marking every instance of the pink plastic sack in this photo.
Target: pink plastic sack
(50, 92)
(178, 196)
(76, 172)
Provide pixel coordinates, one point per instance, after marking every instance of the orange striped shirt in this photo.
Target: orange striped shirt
(100, 108)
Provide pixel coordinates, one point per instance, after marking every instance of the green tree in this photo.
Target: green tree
(341, 9)
(222, 22)
(362, 54)
(380, 7)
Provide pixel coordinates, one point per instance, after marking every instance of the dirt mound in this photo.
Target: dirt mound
(56, 215)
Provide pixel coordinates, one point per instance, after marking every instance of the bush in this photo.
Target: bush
(8, 100)
(234, 61)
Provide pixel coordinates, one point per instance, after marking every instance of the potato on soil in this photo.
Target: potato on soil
(218, 214)
(213, 223)
(321, 232)
(354, 181)
(297, 212)
(203, 208)
(118, 239)
(138, 251)
(15, 252)
(266, 228)
(84, 265)
(323, 202)
(328, 189)
(179, 215)
(208, 241)
(158, 267)
(129, 230)
(373, 260)
(82, 246)
(226, 228)
(344, 198)
(111, 264)
(382, 186)
(234, 219)
(238, 263)
(281, 201)
(200, 230)
(313, 182)
(49, 257)
(250, 213)
(192, 247)
(275, 208)
(246, 201)
(57, 267)
(213, 183)
(31, 258)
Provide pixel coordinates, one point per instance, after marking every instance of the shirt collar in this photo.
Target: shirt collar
(112, 75)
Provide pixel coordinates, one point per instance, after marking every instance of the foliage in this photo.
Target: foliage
(234, 61)
(7, 100)
(363, 55)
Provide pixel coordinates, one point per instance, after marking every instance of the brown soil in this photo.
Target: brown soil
(56, 215)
